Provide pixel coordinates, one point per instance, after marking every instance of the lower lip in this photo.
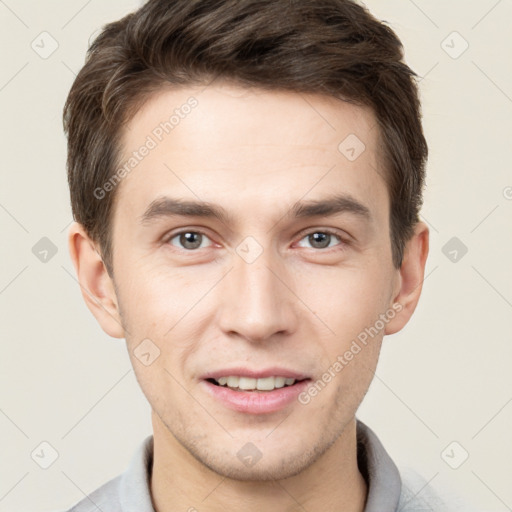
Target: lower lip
(256, 402)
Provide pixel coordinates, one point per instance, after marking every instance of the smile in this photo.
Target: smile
(250, 395)
(252, 384)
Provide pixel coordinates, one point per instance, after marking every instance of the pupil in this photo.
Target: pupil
(187, 241)
(319, 238)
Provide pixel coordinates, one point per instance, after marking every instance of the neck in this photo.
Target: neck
(180, 482)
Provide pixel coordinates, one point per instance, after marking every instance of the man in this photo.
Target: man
(246, 178)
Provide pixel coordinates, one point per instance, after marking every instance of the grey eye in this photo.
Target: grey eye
(321, 239)
(189, 240)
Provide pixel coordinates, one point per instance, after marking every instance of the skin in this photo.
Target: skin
(298, 305)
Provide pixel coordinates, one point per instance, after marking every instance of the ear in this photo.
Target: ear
(410, 278)
(97, 286)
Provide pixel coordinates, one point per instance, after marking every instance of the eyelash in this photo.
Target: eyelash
(343, 241)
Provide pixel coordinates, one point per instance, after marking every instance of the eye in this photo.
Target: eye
(189, 240)
(321, 239)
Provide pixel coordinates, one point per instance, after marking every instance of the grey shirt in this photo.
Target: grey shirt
(388, 491)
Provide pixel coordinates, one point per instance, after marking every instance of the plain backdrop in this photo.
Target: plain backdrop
(443, 388)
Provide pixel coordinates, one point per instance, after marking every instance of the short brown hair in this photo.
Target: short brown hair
(331, 47)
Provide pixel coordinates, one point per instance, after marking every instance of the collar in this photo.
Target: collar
(379, 470)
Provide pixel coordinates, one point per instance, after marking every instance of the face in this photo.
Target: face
(281, 283)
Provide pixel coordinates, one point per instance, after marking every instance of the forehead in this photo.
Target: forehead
(232, 144)
(225, 113)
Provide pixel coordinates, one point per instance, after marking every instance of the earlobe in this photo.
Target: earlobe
(96, 285)
(410, 278)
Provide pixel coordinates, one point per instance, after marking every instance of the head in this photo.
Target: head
(282, 121)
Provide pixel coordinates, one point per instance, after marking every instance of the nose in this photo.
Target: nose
(257, 301)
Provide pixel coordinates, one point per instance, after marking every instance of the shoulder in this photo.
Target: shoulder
(127, 492)
(419, 494)
(105, 498)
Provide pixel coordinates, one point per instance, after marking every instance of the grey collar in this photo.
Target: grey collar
(378, 469)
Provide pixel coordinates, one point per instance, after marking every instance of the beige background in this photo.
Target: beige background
(445, 378)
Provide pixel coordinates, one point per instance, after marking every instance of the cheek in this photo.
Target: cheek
(348, 300)
(153, 299)
(165, 307)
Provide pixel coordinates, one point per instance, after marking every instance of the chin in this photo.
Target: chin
(261, 471)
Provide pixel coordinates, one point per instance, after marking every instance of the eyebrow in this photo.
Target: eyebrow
(329, 206)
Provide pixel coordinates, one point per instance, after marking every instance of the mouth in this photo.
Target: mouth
(250, 392)
(239, 383)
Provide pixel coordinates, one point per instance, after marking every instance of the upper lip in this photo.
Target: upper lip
(255, 374)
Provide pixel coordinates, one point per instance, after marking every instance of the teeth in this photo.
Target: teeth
(249, 384)
(246, 383)
(232, 382)
(265, 384)
(279, 382)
